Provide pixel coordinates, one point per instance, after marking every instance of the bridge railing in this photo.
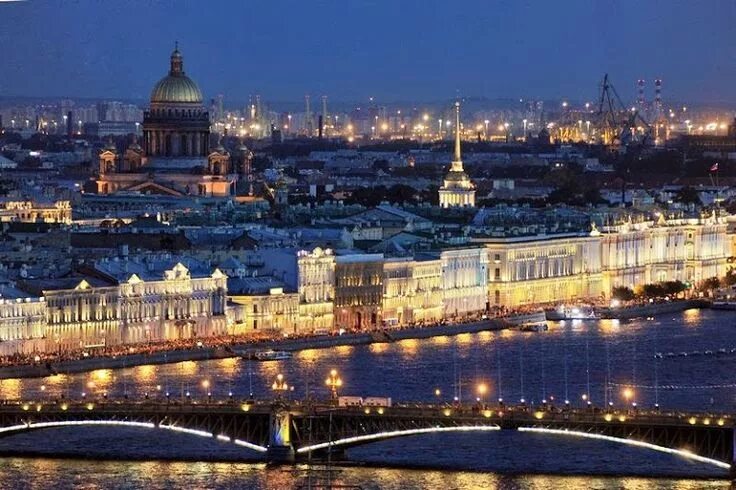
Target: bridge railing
(459, 412)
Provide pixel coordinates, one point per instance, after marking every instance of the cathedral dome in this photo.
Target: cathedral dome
(176, 87)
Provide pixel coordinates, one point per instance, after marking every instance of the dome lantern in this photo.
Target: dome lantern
(176, 87)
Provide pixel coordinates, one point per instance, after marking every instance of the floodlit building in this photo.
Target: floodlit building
(272, 312)
(358, 291)
(464, 281)
(316, 287)
(22, 325)
(36, 211)
(687, 250)
(543, 269)
(457, 190)
(175, 159)
(116, 302)
(412, 291)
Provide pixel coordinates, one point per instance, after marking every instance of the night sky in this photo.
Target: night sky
(395, 50)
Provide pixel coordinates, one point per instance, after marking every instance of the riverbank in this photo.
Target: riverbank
(286, 344)
(323, 341)
(653, 309)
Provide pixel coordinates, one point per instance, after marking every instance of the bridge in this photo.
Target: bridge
(291, 431)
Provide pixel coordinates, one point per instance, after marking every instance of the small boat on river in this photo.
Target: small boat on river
(565, 312)
(267, 355)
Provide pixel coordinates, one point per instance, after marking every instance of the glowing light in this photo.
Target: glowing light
(249, 445)
(629, 442)
(397, 433)
(539, 415)
(608, 417)
(123, 423)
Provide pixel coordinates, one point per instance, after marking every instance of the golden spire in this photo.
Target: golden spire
(457, 162)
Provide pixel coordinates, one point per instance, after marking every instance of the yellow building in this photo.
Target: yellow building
(274, 313)
(464, 281)
(535, 270)
(316, 287)
(688, 250)
(120, 302)
(457, 190)
(35, 212)
(358, 291)
(412, 291)
(22, 325)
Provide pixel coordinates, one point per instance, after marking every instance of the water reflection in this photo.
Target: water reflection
(11, 389)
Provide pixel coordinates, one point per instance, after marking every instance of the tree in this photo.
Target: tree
(673, 288)
(687, 195)
(622, 293)
(653, 291)
(711, 284)
(730, 278)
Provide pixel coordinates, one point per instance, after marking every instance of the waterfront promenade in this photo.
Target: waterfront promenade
(204, 348)
(225, 347)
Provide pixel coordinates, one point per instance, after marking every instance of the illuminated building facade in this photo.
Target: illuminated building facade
(22, 325)
(532, 270)
(457, 190)
(175, 158)
(358, 291)
(274, 312)
(412, 291)
(316, 287)
(35, 212)
(687, 250)
(464, 281)
(118, 303)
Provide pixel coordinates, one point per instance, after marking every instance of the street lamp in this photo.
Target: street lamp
(333, 382)
(628, 394)
(482, 389)
(279, 385)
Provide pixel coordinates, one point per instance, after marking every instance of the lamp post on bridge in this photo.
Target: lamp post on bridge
(481, 389)
(280, 386)
(334, 382)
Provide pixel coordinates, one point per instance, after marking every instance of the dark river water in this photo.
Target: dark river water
(600, 361)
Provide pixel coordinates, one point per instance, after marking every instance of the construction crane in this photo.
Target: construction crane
(618, 125)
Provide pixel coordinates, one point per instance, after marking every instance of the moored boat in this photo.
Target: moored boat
(564, 312)
(267, 355)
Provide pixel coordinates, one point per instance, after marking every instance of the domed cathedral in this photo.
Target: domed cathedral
(175, 158)
(457, 189)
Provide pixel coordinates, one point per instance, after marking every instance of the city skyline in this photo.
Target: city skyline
(428, 52)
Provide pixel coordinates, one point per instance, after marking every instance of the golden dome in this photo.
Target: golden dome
(176, 87)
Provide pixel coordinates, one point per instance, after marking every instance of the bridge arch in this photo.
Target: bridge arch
(629, 442)
(126, 423)
(382, 436)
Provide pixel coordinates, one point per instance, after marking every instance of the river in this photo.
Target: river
(573, 360)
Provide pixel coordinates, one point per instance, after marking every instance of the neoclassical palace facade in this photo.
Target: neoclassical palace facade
(128, 301)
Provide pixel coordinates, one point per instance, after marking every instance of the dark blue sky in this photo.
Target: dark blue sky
(351, 49)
